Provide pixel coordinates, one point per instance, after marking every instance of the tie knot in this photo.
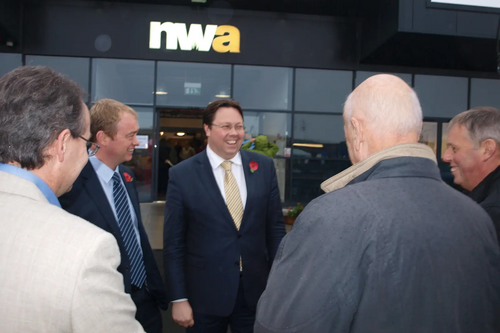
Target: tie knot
(116, 177)
(226, 165)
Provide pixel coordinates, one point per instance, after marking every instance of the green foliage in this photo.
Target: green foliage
(295, 211)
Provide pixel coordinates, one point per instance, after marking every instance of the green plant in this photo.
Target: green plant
(295, 211)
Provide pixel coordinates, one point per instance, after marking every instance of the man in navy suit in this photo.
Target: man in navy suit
(106, 195)
(223, 225)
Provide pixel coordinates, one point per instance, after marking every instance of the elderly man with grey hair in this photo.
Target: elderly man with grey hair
(389, 248)
(473, 151)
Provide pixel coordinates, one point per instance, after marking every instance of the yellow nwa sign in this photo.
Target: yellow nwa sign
(222, 38)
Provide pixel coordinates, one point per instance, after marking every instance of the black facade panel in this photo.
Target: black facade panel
(74, 29)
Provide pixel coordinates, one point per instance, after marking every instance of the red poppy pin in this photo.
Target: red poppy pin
(254, 166)
(128, 178)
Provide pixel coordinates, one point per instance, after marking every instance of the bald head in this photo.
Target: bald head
(381, 112)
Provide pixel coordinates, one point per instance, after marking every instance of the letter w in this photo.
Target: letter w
(195, 39)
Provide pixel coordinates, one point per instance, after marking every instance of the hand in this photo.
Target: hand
(252, 140)
(182, 314)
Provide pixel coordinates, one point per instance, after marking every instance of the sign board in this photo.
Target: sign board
(222, 38)
(192, 89)
(143, 142)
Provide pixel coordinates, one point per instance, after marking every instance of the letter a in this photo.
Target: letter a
(229, 35)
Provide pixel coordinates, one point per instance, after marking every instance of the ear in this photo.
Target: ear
(357, 133)
(102, 138)
(207, 130)
(489, 148)
(61, 144)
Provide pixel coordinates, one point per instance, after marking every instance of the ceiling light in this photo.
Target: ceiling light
(222, 96)
(161, 92)
(310, 145)
(161, 133)
(180, 134)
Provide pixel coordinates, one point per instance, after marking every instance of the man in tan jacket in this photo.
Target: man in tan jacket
(58, 271)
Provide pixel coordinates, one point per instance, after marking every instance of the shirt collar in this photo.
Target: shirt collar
(215, 160)
(102, 170)
(30, 176)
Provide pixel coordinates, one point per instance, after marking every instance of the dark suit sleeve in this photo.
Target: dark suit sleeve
(174, 239)
(275, 222)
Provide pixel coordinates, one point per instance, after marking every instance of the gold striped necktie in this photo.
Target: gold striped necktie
(233, 198)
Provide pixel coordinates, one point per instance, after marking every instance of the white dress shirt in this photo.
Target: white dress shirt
(219, 173)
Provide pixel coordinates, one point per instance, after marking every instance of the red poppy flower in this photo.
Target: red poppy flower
(254, 166)
(128, 178)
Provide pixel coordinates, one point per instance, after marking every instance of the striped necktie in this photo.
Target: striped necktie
(233, 197)
(137, 268)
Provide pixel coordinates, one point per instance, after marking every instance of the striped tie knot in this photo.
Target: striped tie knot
(226, 165)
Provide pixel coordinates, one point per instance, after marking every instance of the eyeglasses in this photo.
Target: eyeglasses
(92, 147)
(228, 127)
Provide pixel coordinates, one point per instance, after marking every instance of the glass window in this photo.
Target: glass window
(444, 138)
(441, 96)
(319, 136)
(361, 76)
(321, 90)
(191, 84)
(145, 119)
(76, 69)
(127, 81)
(319, 152)
(276, 126)
(9, 61)
(484, 92)
(268, 88)
(146, 116)
(429, 135)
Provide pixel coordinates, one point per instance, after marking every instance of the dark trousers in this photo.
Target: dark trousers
(241, 319)
(148, 313)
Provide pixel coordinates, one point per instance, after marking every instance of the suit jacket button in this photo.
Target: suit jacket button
(239, 236)
(237, 263)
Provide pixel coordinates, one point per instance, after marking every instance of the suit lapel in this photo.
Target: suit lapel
(208, 180)
(131, 193)
(245, 160)
(96, 193)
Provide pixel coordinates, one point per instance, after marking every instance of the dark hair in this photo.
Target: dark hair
(36, 105)
(211, 109)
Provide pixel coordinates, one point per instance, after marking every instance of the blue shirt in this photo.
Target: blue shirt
(105, 175)
(30, 176)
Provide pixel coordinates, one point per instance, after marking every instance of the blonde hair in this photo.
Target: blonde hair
(105, 115)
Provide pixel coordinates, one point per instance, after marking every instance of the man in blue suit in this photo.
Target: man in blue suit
(223, 225)
(105, 194)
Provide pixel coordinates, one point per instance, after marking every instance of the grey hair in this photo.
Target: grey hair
(386, 111)
(482, 123)
(36, 105)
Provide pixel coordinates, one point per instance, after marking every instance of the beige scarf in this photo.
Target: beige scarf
(402, 150)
